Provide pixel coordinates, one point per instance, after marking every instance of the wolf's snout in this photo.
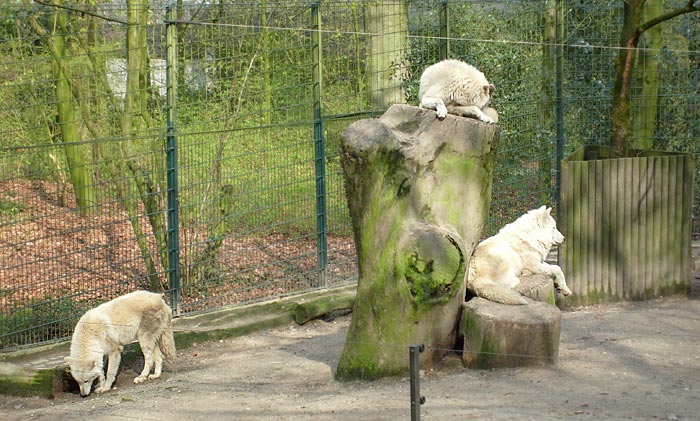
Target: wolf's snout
(558, 237)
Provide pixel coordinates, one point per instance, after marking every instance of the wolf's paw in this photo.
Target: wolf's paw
(153, 376)
(102, 389)
(487, 119)
(441, 111)
(140, 379)
(564, 290)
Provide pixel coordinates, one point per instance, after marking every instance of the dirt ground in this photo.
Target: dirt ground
(621, 361)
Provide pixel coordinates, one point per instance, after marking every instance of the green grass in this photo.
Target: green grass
(9, 207)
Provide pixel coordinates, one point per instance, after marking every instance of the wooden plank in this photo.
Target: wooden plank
(616, 229)
(646, 213)
(688, 187)
(583, 218)
(675, 214)
(634, 187)
(655, 221)
(563, 217)
(600, 221)
(664, 216)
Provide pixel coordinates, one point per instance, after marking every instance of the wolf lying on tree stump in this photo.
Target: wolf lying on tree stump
(418, 190)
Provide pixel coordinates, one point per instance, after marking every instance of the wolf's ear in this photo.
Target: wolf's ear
(492, 89)
(549, 210)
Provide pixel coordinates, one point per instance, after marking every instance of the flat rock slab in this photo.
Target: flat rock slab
(500, 335)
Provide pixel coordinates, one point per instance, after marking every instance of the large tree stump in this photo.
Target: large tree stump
(418, 190)
(500, 335)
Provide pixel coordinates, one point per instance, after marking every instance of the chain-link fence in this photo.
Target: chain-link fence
(197, 153)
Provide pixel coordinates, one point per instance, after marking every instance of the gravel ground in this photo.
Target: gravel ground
(621, 361)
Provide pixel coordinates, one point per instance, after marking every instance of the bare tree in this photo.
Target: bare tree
(79, 166)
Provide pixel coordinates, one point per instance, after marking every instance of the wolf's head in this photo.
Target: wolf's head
(487, 94)
(550, 234)
(85, 372)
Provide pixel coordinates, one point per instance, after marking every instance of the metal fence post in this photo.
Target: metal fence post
(559, 92)
(171, 158)
(320, 146)
(444, 31)
(414, 367)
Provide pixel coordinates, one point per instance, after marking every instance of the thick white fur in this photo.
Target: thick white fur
(455, 87)
(104, 330)
(520, 247)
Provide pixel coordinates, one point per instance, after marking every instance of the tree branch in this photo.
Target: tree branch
(83, 11)
(691, 6)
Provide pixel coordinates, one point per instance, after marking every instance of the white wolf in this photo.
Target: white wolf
(519, 247)
(455, 87)
(105, 329)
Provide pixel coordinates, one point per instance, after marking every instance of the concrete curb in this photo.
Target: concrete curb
(41, 371)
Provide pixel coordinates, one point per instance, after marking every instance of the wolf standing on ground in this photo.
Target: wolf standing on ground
(519, 247)
(104, 330)
(455, 87)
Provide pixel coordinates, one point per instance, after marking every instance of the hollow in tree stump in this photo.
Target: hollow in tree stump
(418, 190)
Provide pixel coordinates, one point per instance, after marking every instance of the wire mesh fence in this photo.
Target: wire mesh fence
(261, 94)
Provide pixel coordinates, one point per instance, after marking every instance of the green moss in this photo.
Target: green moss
(479, 343)
(428, 282)
(670, 288)
(186, 339)
(420, 282)
(363, 365)
(552, 298)
(36, 383)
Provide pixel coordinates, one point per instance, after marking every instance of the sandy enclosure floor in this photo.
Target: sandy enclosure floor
(622, 361)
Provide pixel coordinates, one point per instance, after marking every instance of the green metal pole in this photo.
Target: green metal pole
(444, 31)
(171, 158)
(559, 92)
(320, 147)
(417, 400)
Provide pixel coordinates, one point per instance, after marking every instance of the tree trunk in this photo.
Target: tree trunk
(387, 23)
(632, 29)
(134, 116)
(646, 77)
(620, 117)
(418, 191)
(79, 166)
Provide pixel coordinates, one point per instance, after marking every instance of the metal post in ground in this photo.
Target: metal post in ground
(414, 366)
(171, 159)
(320, 146)
(559, 92)
(444, 31)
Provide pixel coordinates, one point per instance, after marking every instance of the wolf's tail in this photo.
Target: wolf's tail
(493, 291)
(166, 341)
